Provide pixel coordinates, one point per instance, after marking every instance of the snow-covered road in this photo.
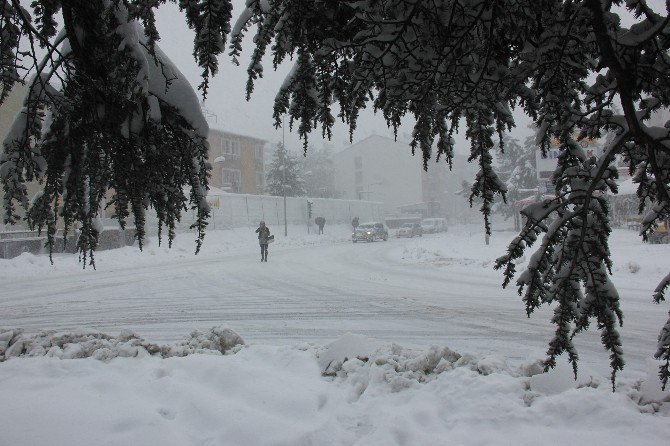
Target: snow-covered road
(438, 352)
(439, 289)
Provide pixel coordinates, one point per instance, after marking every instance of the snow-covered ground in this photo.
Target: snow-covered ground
(405, 342)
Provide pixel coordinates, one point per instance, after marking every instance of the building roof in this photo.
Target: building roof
(370, 140)
(374, 140)
(238, 135)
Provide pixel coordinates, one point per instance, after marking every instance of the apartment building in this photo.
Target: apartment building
(384, 170)
(238, 164)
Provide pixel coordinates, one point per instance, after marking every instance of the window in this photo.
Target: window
(230, 147)
(260, 177)
(358, 162)
(230, 179)
(259, 151)
(359, 177)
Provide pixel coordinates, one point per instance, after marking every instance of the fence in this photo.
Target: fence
(15, 242)
(238, 210)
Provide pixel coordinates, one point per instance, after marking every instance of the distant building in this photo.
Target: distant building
(381, 169)
(238, 162)
(8, 111)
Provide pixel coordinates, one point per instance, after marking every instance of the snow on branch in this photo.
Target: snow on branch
(110, 113)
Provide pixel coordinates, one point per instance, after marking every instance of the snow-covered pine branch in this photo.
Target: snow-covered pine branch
(445, 60)
(108, 116)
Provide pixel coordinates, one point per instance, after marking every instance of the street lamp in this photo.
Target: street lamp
(283, 188)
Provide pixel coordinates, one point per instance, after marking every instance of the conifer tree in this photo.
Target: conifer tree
(283, 176)
(517, 169)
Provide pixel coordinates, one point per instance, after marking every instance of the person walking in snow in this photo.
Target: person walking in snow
(320, 222)
(354, 222)
(263, 240)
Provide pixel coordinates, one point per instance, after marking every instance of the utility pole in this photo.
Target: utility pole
(284, 174)
(309, 213)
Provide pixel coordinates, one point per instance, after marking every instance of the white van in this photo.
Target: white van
(432, 225)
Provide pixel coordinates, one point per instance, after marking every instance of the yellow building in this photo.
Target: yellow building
(237, 162)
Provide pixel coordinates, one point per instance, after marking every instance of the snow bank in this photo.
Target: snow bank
(278, 395)
(218, 340)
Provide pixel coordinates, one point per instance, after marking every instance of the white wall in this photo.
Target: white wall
(240, 210)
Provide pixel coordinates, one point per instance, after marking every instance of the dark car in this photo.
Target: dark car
(410, 230)
(369, 232)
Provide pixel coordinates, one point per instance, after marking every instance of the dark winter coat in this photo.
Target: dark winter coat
(263, 235)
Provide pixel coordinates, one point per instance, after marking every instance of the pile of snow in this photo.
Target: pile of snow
(445, 250)
(419, 253)
(13, 343)
(369, 393)
(465, 247)
(367, 362)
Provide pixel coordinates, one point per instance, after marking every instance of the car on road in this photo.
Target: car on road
(369, 232)
(660, 234)
(433, 225)
(410, 230)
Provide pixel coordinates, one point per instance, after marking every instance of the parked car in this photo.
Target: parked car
(410, 230)
(369, 232)
(659, 235)
(433, 225)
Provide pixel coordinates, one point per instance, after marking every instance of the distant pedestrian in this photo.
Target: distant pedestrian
(320, 222)
(354, 222)
(263, 240)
